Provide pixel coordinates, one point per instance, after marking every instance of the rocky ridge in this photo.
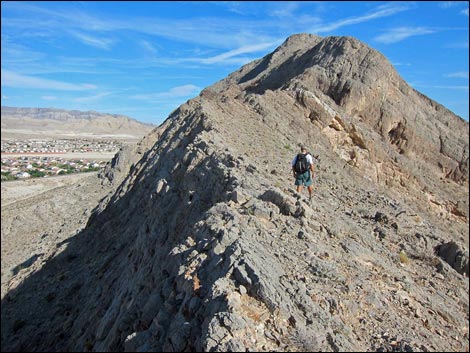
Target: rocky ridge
(206, 246)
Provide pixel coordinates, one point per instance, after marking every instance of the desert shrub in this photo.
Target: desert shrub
(403, 257)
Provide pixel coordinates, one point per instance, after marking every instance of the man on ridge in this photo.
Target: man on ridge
(303, 169)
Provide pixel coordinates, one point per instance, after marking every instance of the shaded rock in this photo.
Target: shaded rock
(285, 203)
(456, 257)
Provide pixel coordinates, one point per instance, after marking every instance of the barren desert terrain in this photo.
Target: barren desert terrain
(37, 216)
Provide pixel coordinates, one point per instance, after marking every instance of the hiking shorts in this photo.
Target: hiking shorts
(304, 179)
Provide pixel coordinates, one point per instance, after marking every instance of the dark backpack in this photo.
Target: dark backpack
(301, 164)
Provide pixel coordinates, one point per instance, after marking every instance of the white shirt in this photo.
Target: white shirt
(309, 159)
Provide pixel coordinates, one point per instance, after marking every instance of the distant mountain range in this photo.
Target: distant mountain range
(50, 122)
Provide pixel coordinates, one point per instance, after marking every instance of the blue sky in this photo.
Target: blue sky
(144, 59)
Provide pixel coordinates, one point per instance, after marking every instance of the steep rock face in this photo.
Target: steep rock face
(205, 245)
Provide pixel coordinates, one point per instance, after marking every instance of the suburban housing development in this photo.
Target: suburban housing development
(41, 158)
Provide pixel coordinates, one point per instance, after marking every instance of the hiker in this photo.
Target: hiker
(303, 169)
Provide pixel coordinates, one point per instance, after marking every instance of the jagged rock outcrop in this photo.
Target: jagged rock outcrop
(454, 256)
(205, 246)
(125, 159)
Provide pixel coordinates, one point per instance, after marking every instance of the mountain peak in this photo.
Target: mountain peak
(304, 39)
(316, 61)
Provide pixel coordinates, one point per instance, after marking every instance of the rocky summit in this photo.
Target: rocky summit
(206, 246)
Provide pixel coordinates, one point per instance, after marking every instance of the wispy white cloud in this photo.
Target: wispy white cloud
(92, 98)
(401, 64)
(47, 19)
(12, 79)
(100, 43)
(452, 4)
(449, 4)
(89, 28)
(233, 6)
(49, 98)
(395, 35)
(175, 92)
(456, 87)
(459, 45)
(211, 32)
(460, 74)
(235, 52)
(235, 61)
(284, 9)
(13, 52)
(181, 91)
(379, 12)
(148, 46)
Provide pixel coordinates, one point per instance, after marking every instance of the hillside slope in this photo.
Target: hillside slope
(206, 246)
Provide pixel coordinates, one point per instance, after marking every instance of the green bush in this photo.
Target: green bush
(91, 169)
(6, 176)
(36, 173)
(66, 167)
